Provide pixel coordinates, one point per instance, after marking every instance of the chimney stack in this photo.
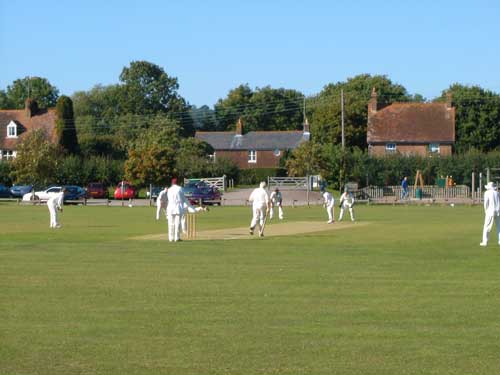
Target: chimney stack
(30, 107)
(449, 101)
(239, 127)
(372, 104)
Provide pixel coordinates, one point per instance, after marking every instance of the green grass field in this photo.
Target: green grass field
(410, 292)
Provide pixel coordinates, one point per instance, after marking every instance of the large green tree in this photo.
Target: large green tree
(147, 89)
(192, 160)
(324, 110)
(263, 109)
(36, 88)
(152, 156)
(477, 117)
(37, 160)
(65, 125)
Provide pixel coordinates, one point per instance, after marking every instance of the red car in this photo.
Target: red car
(125, 190)
(97, 190)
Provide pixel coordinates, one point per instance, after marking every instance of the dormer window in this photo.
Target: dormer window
(12, 130)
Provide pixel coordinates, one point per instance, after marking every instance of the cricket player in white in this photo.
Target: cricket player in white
(161, 202)
(346, 202)
(329, 204)
(276, 200)
(54, 203)
(175, 210)
(260, 205)
(491, 212)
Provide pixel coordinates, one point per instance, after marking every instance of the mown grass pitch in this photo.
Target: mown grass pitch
(410, 293)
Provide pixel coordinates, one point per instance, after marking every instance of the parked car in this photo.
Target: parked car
(74, 193)
(125, 190)
(17, 191)
(196, 191)
(155, 191)
(42, 195)
(4, 191)
(97, 190)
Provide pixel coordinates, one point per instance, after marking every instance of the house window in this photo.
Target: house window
(277, 152)
(434, 148)
(12, 130)
(252, 156)
(7, 154)
(390, 147)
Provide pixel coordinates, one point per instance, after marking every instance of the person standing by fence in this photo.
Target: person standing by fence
(404, 188)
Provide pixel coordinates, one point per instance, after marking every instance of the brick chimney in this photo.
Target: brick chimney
(239, 127)
(449, 101)
(372, 103)
(30, 107)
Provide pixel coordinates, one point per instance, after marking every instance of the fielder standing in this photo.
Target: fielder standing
(55, 203)
(161, 202)
(491, 212)
(346, 202)
(260, 205)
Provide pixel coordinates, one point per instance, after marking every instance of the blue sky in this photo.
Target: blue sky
(214, 46)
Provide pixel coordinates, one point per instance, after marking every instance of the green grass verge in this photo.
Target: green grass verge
(409, 293)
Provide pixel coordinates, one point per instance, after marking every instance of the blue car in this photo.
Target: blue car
(17, 191)
(74, 193)
(4, 191)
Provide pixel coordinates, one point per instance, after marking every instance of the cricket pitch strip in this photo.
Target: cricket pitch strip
(273, 229)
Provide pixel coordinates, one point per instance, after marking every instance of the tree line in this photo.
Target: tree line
(144, 122)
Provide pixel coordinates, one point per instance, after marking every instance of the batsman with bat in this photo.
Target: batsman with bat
(260, 207)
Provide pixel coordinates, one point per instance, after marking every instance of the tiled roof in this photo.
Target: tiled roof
(258, 140)
(412, 123)
(43, 119)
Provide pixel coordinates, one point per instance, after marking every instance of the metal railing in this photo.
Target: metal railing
(430, 192)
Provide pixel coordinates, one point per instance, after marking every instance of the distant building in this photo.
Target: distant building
(410, 128)
(15, 124)
(255, 149)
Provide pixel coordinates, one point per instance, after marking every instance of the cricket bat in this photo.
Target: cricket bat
(261, 229)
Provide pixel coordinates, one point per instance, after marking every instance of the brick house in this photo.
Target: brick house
(16, 123)
(255, 149)
(410, 128)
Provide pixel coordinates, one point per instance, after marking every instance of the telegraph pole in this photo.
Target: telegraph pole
(342, 116)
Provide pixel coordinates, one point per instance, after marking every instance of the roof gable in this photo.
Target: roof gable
(44, 119)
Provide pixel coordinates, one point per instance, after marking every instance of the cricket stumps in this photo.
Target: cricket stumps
(191, 226)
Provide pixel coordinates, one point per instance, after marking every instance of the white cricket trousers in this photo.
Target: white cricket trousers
(329, 210)
(351, 212)
(258, 214)
(53, 217)
(488, 225)
(280, 212)
(158, 210)
(174, 227)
